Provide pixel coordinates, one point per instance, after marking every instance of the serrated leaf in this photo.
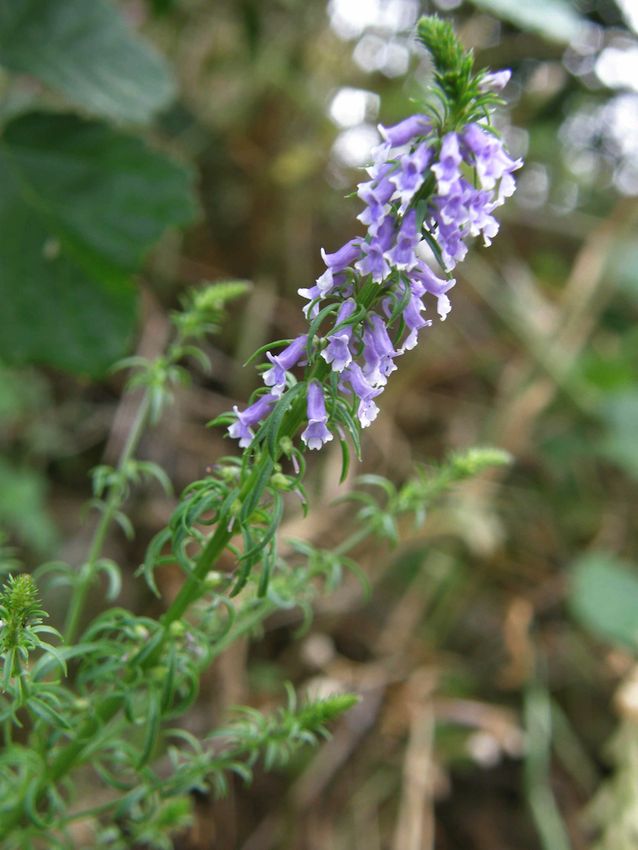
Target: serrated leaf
(85, 49)
(603, 595)
(81, 205)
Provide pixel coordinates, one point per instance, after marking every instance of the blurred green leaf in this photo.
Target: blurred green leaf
(555, 20)
(85, 49)
(623, 268)
(620, 412)
(603, 596)
(22, 506)
(81, 205)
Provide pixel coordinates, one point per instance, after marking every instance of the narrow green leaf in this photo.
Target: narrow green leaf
(152, 726)
(345, 461)
(45, 712)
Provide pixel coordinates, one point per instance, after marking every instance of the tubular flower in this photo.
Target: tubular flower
(242, 428)
(275, 377)
(316, 433)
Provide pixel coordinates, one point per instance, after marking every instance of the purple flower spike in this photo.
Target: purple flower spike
(242, 429)
(338, 351)
(281, 363)
(403, 132)
(447, 169)
(316, 434)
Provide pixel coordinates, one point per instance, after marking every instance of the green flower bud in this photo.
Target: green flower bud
(177, 629)
(214, 579)
(281, 482)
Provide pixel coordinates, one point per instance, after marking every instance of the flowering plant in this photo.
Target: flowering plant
(435, 181)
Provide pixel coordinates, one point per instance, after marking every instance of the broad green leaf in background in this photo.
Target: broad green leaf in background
(623, 268)
(603, 596)
(81, 205)
(556, 20)
(84, 49)
(22, 506)
(620, 443)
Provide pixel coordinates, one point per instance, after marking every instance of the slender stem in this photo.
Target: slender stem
(113, 504)
(353, 540)
(192, 587)
(191, 590)
(94, 811)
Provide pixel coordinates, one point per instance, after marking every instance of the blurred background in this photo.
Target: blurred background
(496, 651)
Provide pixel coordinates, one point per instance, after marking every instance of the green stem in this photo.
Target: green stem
(113, 504)
(191, 590)
(353, 540)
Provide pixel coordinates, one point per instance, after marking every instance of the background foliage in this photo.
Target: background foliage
(150, 145)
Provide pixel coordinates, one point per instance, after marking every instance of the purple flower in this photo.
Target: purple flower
(327, 281)
(344, 257)
(496, 81)
(453, 248)
(447, 169)
(242, 429)
(413, 319)
(310, 310)
(424, 280)
(316, 433)
(375, 194)
(403, 132)
(479, 208)
(403, 254)
(338, 351)
(452, 207)
(378, 352)
(507, 186)
(367, 410)
(411, 174)
(374, 261)
(491, 160)
(281, 363)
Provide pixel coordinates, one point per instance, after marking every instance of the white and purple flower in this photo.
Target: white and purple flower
(316, 433)
(337, 352)
(275, 377)
(243, 427)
